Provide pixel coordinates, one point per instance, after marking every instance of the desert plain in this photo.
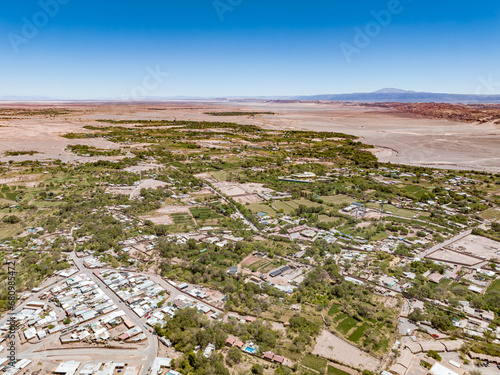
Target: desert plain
(397, 137)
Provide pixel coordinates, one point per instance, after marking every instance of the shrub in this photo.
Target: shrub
(434, 354)
(11, 219)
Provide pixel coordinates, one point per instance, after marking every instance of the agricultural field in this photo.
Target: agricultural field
(260, 207)
(334, 309)
(182, 219)
(346, 325)
(285, 206)
(335, 371)
(337, 199)
(358, 333)
(313, 362)
(205, 215)
(491, 214)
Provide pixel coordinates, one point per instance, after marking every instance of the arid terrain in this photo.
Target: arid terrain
(399, 136)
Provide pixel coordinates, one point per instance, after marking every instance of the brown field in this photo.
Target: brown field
(445, 255)
(332, 347)
(162, 215)
(479, 246)
(399, 137)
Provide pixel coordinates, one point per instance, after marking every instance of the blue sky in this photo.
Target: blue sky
(107, 48)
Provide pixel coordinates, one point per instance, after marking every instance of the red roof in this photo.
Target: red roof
(250, 319)
(278, 358)
(239, 344)
(268, 355)
(230, 340)
(287, 324)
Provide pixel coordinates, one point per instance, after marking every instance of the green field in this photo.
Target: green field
(340, 317)
(336, 371)
(313, 362)
(260, 207)
(334, 309)
(358, 333)
(204, 213)
(417, 191)
(9, 192)
(219, 175)
(337, 199)
(281, 205)
(491, 214)
(346, 325)
(305, 202)
(182, 219)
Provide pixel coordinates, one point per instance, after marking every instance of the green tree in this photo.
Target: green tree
(233, 356)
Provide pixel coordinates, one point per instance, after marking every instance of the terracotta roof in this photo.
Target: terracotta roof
(278, 358)
(239, 344)
(268, 355)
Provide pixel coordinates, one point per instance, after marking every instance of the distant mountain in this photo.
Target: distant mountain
(392, 91)
(383, 95)
(403, 96)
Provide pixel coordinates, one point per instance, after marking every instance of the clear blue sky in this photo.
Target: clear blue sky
(103, 48)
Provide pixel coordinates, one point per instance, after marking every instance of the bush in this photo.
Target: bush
(257, 369)
(434, 354)
(12, 219)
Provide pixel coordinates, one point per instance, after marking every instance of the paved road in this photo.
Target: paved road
(406, 327)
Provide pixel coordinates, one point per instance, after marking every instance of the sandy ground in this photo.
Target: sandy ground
(478, 246)
(330, 346)
(445, 255)
(162, 216)
(399, 138)
(242, 193)
(135, 191)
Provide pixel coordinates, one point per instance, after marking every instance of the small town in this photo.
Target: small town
(202, 260)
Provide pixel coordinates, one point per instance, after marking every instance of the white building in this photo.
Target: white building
(67, 368)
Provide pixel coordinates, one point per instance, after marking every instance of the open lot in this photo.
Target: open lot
(445, 255)
(243, 193)
(135, 191)
(164, 214)
(330, 346)
(478, 246)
